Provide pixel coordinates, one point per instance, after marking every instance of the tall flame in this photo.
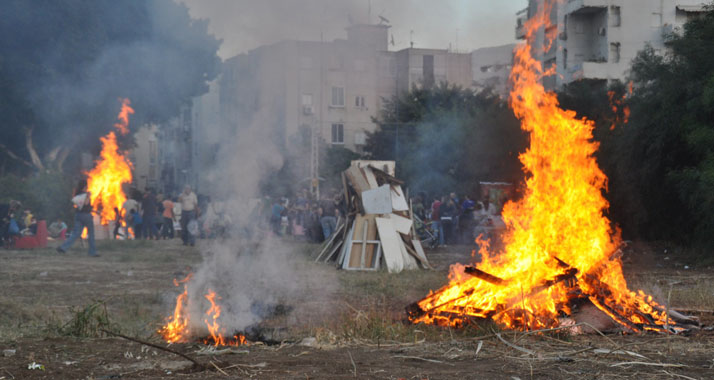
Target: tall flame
(178, 330)
(557, 234)
(112, 169)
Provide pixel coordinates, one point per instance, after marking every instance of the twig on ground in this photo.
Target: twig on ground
(8, 372)
(422, 359)
(192, 360)
(678, 375)
(648, 363)
(478, 348)
(219, 369)
(509, 344)
(354, 366)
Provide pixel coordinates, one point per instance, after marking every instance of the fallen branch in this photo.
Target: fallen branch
(219, 369)
(192, 360)
(354, 366)
(422, 359)
(509, 344)
(649, 364)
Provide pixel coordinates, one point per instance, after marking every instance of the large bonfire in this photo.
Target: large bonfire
(559, 248)
(112, 169)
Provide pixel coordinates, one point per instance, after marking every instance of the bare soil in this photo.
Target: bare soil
(365, 336)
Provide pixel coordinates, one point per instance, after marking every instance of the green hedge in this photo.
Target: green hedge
(47, 194)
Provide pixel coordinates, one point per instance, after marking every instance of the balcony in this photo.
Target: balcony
(586, 70)
(585, 6)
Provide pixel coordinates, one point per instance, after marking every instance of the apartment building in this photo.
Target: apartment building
(492, 67)
(597, 39)
(332, 88)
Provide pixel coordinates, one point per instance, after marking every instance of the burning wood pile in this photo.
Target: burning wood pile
(559, 251)
(378, 226)
(112, 170)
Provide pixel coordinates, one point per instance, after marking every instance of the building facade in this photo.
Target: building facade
(492, 68)
(329, 90)
(597, 39)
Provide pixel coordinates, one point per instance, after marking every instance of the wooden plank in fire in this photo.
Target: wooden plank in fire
(473, 271)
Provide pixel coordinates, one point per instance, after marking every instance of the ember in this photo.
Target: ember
(559, 248)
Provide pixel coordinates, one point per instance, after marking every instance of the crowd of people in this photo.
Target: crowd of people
(450, 220)
(444, 220)
(16, 222)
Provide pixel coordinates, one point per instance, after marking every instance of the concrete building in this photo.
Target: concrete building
(145, 158)
(334, 89)
(492, 67)
(597, 39)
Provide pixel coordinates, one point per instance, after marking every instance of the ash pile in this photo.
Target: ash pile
(378, 228)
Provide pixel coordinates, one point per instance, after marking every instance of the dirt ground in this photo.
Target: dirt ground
(44, 295)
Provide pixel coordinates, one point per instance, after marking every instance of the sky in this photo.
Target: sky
(463, 25)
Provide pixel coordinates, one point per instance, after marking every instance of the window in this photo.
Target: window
(307, 100)
(428, 70)
(615, 52)
(656, 20)
(565, 58)
(614, 15)
(338, 97)
(359, 101)
(338, 133)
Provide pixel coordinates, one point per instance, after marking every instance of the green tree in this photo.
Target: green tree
(63, 66)
(661, 163)
(446, 138)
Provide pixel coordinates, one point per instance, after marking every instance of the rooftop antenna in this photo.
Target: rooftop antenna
(411, 38)
(457, 41)
(383, 20)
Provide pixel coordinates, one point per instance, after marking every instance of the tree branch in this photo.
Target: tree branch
(16, 157)
(31, 149)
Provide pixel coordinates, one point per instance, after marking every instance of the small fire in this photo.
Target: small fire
(558, 246)
(112, 170)
(177, 329)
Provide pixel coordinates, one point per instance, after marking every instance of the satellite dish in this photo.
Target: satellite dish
(383, 20)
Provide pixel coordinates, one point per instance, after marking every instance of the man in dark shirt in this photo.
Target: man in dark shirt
(148, 204)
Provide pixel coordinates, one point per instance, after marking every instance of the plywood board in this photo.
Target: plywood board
(399, 201)
(369, 176)
(401, 224)
(385, 166)
(364, 240)
(421, 254)
(390, 245)
(409, 261)
(356, 177)
(377, 201)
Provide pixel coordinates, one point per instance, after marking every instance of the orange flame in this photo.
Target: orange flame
(177, 327)
(558, 245)
(112, 170)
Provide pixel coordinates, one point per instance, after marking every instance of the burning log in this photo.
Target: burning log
(473, 271)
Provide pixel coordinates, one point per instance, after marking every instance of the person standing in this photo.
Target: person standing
(328, 221)
(167, 229)
(189, 208)
(436, 220)
(82, 219)
(129, 204)
(148, 204)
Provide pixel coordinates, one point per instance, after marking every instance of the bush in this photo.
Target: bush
(46, 194)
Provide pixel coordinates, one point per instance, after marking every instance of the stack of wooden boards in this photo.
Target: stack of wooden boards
(378, 226)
